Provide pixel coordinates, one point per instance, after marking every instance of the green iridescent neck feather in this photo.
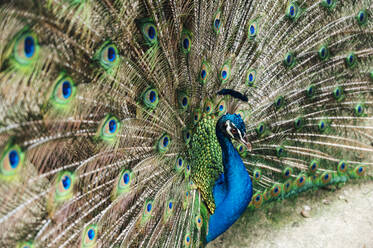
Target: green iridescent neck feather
(206, 158)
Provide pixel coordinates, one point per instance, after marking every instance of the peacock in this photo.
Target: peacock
(157, 123)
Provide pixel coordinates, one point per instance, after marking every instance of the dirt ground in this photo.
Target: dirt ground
(334, 218)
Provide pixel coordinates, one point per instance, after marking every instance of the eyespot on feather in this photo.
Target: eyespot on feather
(204, 72)
(11, 161)
(217, 22)
(257, 174)
(250, 78)
(225, 72)
(300, 181)
(163, 143)
(150, 98)
(257, 199)
(287, 172)
(221, 107)
(276, 190)
(109, 128)
(293, 11)
(26, 48)
(64, 90)
(89, 236)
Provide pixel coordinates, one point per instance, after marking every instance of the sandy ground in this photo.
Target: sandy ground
(337, 218)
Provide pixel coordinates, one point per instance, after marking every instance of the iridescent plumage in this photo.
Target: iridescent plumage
(157, 123)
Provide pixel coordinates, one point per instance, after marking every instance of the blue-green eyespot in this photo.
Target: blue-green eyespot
(362, 17)
(323, 52)
(204, 72)
(217, 22)
(252, 30)
(107, 56)
(109, 127)
(186, 42)
(293, 11)
(250, 78)
(64, 90)
(26, 48)
(11, 160)
(289, 60)
(150, 98)
(163, 143)
(225, 72)
(89, 236)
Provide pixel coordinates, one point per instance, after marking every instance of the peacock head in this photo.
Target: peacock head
(233, 127)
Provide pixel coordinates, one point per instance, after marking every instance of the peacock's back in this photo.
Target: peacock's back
(108, 112)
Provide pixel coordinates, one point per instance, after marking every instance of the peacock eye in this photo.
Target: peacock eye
(225, 72)
(234, 131)
(280, 150)
(187, 240)
(11, 160)
(179, 164)
(164, 143)
(298, 123)
(125, 179)
(258, 199)
(150, 98)
(26, 48)
(292, 11)
(64, 90)
(313, 166)
(64, 187)
(326, 177)
(196, 116)
(322, 126)
(289, 59)
(329, 4)
(351, 60)
(300, 181)
(199, 221)
(186, 135)
(204, 72)
(310, 91)
(261, 128)
(250, 78)
(359, 109)
(338, 93)
(323, 53)
(252, 29)
(287, 172)
(108, 56)
(149, 30)
(25, 245)
(217, 22)
(342, 167)
(360, 170)
(208, 107)
(90, 236)
(221, 107)
(362, 18)
(186, 42)
(110, 127)
(257, 174)
(279, 102)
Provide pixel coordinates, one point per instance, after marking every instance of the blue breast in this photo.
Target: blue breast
(232, 191)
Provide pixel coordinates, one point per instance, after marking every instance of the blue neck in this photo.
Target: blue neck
(232, 192)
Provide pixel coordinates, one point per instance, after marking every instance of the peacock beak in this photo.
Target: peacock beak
(244, 140)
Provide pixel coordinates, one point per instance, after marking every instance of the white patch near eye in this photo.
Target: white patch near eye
(239, 132)
(229, 128)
